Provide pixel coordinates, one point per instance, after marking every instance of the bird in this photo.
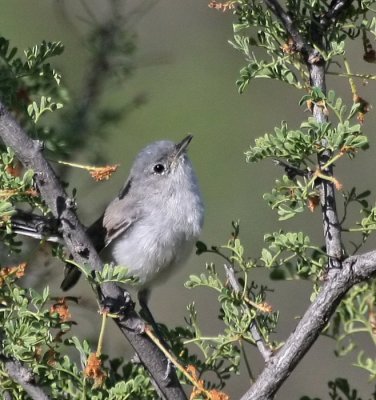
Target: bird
(151, 226)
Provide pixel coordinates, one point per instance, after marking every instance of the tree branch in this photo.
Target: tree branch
(29, 152)
(331, 224)
(24, 377)
(342, 275)
(354, 270)
(316, 68)
(336, 8)
(301, 44)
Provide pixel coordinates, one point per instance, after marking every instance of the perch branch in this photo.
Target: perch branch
(29, 152)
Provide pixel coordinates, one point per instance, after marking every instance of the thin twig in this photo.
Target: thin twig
(301, 45)
(257, 337)
(171, 357)
(336, 8)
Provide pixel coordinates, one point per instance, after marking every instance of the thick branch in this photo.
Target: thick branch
(354, 270)
(29, 152)
(24, 377)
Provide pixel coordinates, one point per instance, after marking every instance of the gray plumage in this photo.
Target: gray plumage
(152, 225)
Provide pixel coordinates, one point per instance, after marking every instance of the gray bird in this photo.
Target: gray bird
(152, 225)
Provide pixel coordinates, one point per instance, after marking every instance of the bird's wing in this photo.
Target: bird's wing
(118, 217)
(121, 214)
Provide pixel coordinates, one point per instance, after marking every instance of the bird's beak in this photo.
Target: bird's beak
(182, 146)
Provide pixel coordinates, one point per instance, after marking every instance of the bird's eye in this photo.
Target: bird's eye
(159, 168)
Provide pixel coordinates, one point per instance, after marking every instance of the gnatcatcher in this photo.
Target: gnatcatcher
(152, 225)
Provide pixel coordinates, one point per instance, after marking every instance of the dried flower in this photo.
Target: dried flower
(322, 105)
(265, 307)
(93, 370)
(289, 47)
(313, 202)
(228, 5)
(103, 173)
(199, 389)
(18, 271)
(347, 150)
(51, 357)
(15, 169)
(363, 108)
(98, 173)
(8, 193)
(61, 308)
(337, 184)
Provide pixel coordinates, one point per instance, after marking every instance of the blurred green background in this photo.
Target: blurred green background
(187, 71)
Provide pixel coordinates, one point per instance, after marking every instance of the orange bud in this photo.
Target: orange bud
(265, 307)
(228, 5)
(313, 202)
(61, 308)
(103, 173)
(18, 271)
(337, 184)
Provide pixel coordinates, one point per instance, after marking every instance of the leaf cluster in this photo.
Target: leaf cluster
(31, 87)
(16, 186)
(292, 256)
(38, 337)
(240, 308)
(296, 150)
(259, 29)
(22, 77)
(355, 318)
(307, 155)
(28, 86)
(109, 273)
(259, 32)
(340, 389)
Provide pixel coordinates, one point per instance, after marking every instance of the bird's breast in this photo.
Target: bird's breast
(161, 240)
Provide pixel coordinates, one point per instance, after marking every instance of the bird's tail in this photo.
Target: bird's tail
(44, 228)
(36, 226)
